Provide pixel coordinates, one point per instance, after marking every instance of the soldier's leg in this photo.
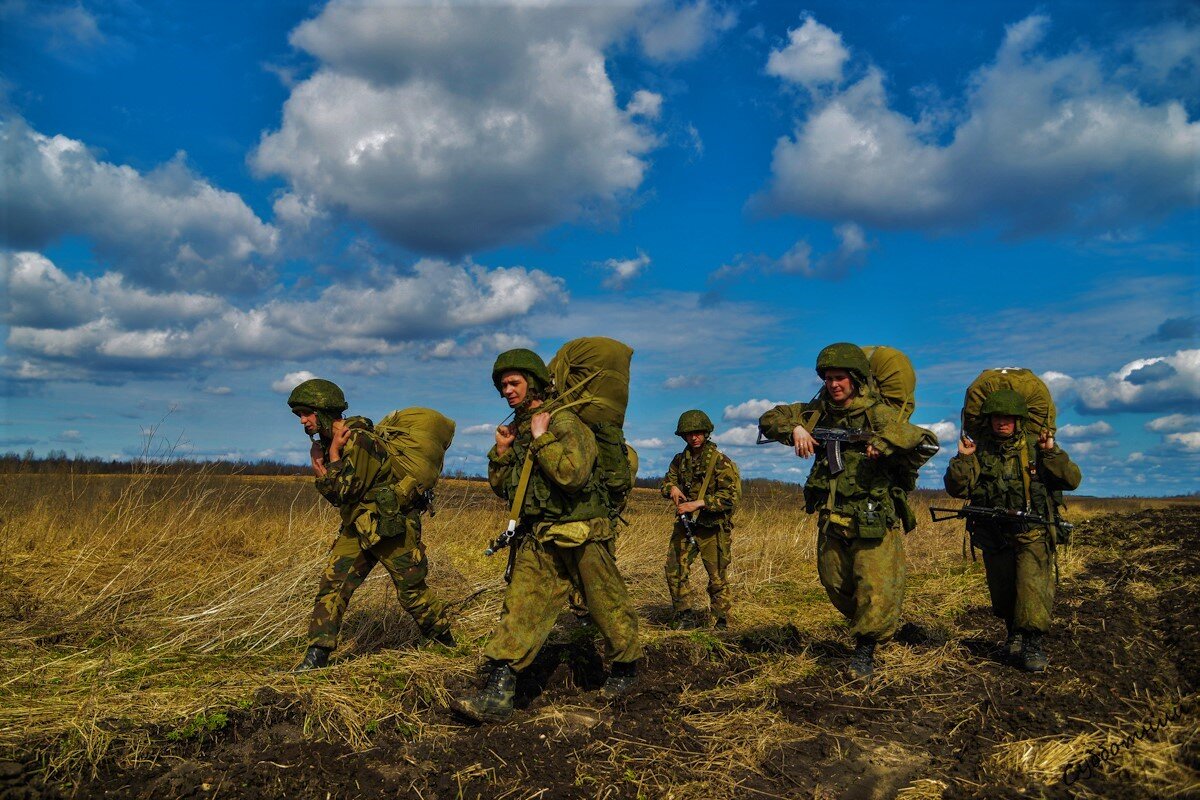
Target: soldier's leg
(531, 605)
(835, 568)
(714, 552)
(879, 571)
(1034, 585)
(409, 567)
(1000, 568)
(679, 559)
(346, 569)
(607, 598)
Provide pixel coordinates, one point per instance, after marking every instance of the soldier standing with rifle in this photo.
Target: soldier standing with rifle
(858, 487)
(1015, 473)
(705, 487)
(548, 462)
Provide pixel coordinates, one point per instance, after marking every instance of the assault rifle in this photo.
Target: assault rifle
(511, 538)
(1003, 514)
(834, 439)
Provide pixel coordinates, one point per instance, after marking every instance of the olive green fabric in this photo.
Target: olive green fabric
(864, 579)
(1005, 402)
(1018, 559)
(724, 490)
(894, 376)
(564, 489)
(317, 393)
(713, 545)
(349, 565)
(527, 362)
(616, 463)
(592, 375)
(693, 421)
(847, 356)
(1038, 401)
(416, 440)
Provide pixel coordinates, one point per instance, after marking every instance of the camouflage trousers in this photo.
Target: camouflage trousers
(542, 575)
(865, 580)
(350, 564)
(713, 547)
(1020, 577)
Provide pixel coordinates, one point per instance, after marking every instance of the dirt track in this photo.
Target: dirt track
(1125, 640)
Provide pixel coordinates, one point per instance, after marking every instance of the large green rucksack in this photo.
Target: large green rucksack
(416, 440)
(591, 377)
(1023, 381)
(894, 377)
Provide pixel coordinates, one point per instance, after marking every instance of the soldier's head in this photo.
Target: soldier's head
(317, 402)
(1004, 408)
(520, 376)
(845, 369)
(694, 427)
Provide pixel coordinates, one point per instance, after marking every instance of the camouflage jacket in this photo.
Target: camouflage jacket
(372, 501)
(564, 486)
(724, 489)
(991, 477)
(870, 496)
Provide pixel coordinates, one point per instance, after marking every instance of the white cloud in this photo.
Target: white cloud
(684, 381)
(814, 56)
(624, 270)
(478, 345)
(1188, 442)
(1162, 383)
(749, 410)
(1173, 423)
(1042, 143)
(946, 431)
(483, 428)
(850, 253)
(290, 381)
(740, 436)
(448, 153)
(649, 444)
(167, 228)
(1085, 432)
(218, 390)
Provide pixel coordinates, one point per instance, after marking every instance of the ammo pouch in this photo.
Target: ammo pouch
(566, 534)
(903, 510)
(393, 518)
(871, 521)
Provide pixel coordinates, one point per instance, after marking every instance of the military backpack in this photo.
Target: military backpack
(1024, 382)
(416, 440)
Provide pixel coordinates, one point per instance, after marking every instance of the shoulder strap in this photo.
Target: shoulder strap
(708, 473)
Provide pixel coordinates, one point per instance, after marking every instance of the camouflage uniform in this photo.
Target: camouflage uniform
(569, 543)
(379, 525)
(713, 528)
(1018, 559)
(863, 511)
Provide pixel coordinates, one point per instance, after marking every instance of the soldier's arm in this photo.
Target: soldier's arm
(671, 480)
(961, 476)
(499, 467)
(726, 490)
(1058, 471)
(778, 423)
(348, 479)
(566, 452)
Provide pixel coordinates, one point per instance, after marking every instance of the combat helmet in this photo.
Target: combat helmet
(527, 362)
(322, 396)
(847, 356)
(693, 420)
(1006, 402)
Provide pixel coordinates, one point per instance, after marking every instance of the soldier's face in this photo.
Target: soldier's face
(695, 439)
(839, 386)
(1003, 425)
(513, 388)
(308, 418)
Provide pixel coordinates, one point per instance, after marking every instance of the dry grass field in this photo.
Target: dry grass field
(150, 621)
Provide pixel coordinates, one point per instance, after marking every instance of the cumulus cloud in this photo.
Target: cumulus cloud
(1042, 143)
(652, 443)
(168, 228)
(1189, 442)
(945, 430)
(749, 410)
(739, 436)
(1085, 432)
(1162, 383)
(290, 381)
(684, 381)
(1173, 423)
(814, 56)
(101, 323)
(623, 270)
(448, 154)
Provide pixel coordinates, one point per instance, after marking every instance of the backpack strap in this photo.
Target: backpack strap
(708, 473)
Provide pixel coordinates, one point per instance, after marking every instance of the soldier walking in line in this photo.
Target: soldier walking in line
(705, 487)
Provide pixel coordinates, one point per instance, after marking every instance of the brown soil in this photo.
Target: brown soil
(564, 742)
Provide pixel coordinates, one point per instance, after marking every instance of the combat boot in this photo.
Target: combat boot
(862, 663)
(683, 620)
(620, 680)
(316, 657)
(445, 638)
(1033, 658)
(495, 702)
(1013, 646)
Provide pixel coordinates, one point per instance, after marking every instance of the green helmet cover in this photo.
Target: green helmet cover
(692, 421)
(847, 356)
(525, 361)
(319, 395)
(1006, 402)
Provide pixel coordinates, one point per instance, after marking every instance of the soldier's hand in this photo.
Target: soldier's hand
(966, 445)
(1046, 439)
(677, 496)
(690, 506)
(539, 424)
(341, 435)
(505, 436)
(317, 454)
(803, 442)
(872, 453)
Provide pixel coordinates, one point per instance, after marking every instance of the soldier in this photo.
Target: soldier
(1012, 469)
(708, 475)
(565, 540)
(862, 508)
(381, 522)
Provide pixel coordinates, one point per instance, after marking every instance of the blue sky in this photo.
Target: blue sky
(203, 203)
